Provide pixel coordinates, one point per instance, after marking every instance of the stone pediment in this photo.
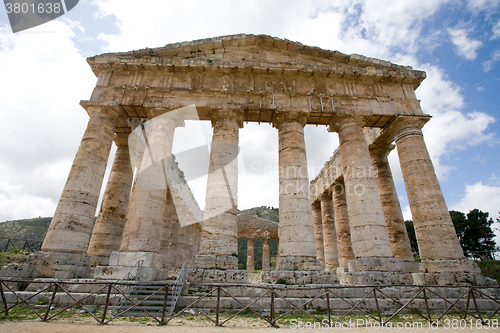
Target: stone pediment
(253, 53)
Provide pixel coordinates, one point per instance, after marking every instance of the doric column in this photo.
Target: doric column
(195, 243)
(182, 245)
(266, 267)
(436, 236)
(219, 239)
(250, 255)
(174, 242)
(329, 233)
(394, 221)
(368, 232)
(318, 231)
(108, 229)
(342, 227)
(297, 246)
(69, 230)
(143, 229)
(168, 218)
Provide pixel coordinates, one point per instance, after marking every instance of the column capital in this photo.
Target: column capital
(222, 114)
(380, 150)
(288, 117)
(316, 203)
(405, 131)
(325, 196)
(121, 139)
(110, 109)
(340, 121)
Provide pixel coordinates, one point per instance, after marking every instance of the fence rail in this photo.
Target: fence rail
(481, 303)
(26, 245)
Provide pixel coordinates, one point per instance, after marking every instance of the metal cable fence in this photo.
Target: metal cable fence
(271, 303)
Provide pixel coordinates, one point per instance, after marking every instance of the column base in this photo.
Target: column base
(290, 263)
(411, 266)
(120, 263)
(201, 275)
(452, 265)
(99, 261)
(51, 265)
(210, 261)
(373, 270)
(299, 277)
(453, 279)
(451, 272)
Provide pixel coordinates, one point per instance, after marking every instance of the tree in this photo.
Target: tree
(413, 238)
(475, 233)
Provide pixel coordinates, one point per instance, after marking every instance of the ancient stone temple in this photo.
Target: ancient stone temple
(348, 222)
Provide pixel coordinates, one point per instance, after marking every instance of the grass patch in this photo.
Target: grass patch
(490, 269)
(16, 256)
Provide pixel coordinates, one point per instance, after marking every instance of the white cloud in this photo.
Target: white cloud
(450, 128)
(483, 197)
(488, 65)
(496, 30)
(43, 79)
(466, 47)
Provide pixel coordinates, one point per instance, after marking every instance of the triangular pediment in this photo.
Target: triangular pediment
(244, 51)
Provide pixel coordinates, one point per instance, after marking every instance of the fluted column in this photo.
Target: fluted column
(143, 229)
(394, 221)
(368, 232)
(318, 231)
(266, 267)
(195, 243)
(436, 236)
(182, 247)
(69, 230)
(108, 229)
(342, 227)
(329, 233)
(219, 239)
(174, 240)
(250, 255)
(297, 247)
(168, 218)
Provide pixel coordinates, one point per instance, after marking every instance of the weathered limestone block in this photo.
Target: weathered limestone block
(368, 231)
(217, 276)
(108, 229)
(297, 247)
(300, 277)
(318, 231)
(394, 221)
(69, 231)
(220, 223)
(342, 227)
(329, 233)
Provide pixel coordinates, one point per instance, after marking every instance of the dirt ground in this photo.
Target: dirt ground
(125, 327)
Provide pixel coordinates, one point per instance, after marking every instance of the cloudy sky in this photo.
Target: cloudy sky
(44, 75)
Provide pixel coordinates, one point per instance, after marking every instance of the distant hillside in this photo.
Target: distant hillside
(268, 213)
(35, 228)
